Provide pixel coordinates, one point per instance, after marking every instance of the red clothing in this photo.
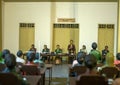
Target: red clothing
(116, 62)
(30, 63)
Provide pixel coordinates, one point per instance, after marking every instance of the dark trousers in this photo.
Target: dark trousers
(70, 59)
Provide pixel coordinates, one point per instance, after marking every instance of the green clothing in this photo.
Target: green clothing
(1, 59)
(97, 54)
(46, 50)
(58, 51)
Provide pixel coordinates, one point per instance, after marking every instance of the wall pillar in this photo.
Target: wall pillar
(118, 46)
(0, 25)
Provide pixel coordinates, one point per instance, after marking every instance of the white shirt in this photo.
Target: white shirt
(18, 59)
(75, 62)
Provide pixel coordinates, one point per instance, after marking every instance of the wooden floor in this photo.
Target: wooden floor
(59, 75)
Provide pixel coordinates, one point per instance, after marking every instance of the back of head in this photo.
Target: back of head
(30, 56)
(94, 45)
(80, 57)
(10, 61)
(90, 61)
(19, 53)
(4, 52)
(118, 56)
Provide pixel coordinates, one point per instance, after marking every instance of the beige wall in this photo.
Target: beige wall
(0, 26)
(119, 29)
(87, 15)
(15, 13)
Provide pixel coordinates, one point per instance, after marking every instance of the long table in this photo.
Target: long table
(33, 79)
(60, 54)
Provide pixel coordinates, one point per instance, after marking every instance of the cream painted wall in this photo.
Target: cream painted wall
(119, 29)
(92, 14)
(38, 13)
(88, 15)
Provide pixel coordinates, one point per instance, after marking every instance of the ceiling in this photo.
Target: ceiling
(60, 0)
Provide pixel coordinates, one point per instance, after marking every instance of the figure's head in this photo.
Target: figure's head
(30, 56)
(84, 47)
(19, 53)
(45, 46)
(106, 47)
(71, 41)
(32, 46)
(90, 61)
(80, 57)
(57, 46)
(118, 56)
(4, 52)
(94, 45)
(10, 61)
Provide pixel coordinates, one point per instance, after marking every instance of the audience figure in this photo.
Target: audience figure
(104, 53)
(1, 58)
(33, 48)
(95, 52)
(109, 59)
(117, 61)
(83, 49)
(90, 62)
(71, 48)
(19, 57)
(45, 51)
(30, 58)
(39, 61)
(10, 61)
(4, 52)
(80, 59)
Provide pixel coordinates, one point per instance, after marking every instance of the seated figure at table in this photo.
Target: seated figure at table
(10, 61)
(58, 51)
(33, 48)
(45, 51)
(83, 49)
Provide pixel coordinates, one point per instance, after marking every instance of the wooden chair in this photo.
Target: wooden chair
(110, 72)
(2, 67)
(9, 79)
(30, 70)
(77, 69)
(118, 66)
(19, 64)
(92, 80)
